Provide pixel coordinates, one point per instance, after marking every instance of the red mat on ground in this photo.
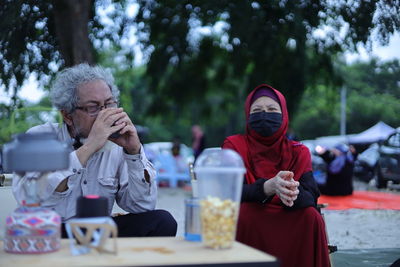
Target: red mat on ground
(362, 200)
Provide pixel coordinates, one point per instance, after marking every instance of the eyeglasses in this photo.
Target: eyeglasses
(94, 110)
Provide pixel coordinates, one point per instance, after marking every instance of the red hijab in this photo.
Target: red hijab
(264, 157)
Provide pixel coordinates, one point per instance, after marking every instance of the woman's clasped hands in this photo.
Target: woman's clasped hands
(284, 186)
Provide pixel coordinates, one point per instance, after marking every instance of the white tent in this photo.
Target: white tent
(332, 140)
(378, 132)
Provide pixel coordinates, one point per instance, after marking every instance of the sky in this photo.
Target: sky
(383, 52)
(31, 92)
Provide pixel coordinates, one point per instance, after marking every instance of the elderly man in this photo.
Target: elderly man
(106, 158)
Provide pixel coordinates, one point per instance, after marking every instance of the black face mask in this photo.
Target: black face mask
(265, 123)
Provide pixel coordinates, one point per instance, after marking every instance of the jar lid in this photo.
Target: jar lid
(219, 160)
(91, 206)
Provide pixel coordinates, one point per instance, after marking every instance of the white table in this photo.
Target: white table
(146, 251)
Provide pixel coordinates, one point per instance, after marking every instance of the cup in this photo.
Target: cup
(92, 227)
(192, 219)
(220, 179)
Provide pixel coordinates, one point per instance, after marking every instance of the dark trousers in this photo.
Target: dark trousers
(150, 223)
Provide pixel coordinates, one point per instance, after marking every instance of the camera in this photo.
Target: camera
(116, 134)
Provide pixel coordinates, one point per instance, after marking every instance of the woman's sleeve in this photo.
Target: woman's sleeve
(227, 144)
(255, 192)
(309, 192)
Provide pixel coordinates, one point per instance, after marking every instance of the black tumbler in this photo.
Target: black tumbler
(91, 206)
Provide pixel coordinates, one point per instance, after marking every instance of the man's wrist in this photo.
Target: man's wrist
(132, 151)
(83, 153)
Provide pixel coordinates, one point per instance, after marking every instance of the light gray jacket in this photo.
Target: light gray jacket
(109, 172)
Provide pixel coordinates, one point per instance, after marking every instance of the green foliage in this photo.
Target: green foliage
(373, 77)
(366, 111)
(374, 93)
(192, 77)
(372, 96)
(39, 36)
(255, 42)
(318, 113)
(24, 118)
(27, 41)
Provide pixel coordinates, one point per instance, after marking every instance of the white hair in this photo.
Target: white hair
(63, 93)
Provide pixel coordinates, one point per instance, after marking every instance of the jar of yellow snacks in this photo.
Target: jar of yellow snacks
(219, 174)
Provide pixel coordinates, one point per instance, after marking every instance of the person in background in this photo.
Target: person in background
(340, 166)
(181, 165)
(291, 135)
(198, 140)
(106, 158)
(278, 211)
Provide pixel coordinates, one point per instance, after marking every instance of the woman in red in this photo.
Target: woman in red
(278, 213)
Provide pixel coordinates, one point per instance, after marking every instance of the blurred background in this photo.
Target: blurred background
(185, 63)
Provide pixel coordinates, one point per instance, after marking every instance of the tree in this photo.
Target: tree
(21, 119)
(265, 40)
(36, 34)
(373, 92)
(257, 41)
(194, 76)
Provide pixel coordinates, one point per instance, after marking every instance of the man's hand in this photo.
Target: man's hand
(128, 138)
(107, 122)
(284, 186)
(103, 127)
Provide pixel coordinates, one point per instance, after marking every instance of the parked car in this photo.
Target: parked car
(365, 165)
(388, 166)
(155, 148)
(170, 170)
(318, 164)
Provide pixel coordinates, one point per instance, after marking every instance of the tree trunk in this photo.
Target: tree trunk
(71, 19)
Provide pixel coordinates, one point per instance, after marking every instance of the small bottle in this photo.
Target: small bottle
(192, 219)
(193, 180)
(192, 210)
(191, 172)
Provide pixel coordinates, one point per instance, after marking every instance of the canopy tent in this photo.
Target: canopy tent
(376, 133)
(332, 140)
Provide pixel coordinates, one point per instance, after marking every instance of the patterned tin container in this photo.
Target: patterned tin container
(32, 230)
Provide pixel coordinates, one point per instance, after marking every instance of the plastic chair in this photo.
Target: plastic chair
(167, 170)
